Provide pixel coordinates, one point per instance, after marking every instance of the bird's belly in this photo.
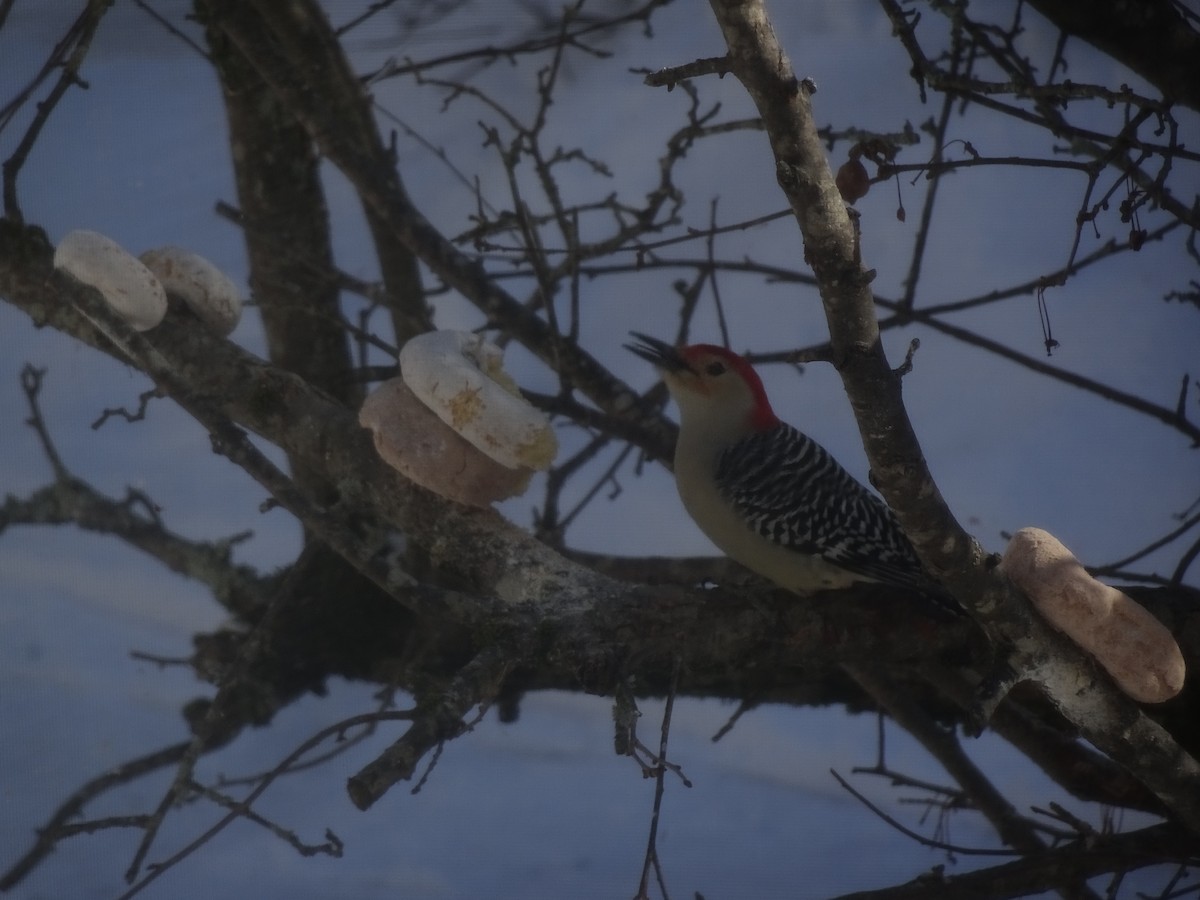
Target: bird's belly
(788, 568)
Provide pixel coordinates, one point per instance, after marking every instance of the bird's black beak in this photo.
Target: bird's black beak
(659, 353)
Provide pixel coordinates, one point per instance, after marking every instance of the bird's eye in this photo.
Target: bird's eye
(715, 368)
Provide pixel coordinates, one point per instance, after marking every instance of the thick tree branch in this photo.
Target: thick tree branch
(476, 551)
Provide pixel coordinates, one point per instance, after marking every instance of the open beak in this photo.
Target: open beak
(660, 353)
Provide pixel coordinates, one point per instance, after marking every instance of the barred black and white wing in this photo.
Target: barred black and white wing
(791, 491)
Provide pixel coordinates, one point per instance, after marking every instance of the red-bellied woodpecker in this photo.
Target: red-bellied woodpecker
(768, 495)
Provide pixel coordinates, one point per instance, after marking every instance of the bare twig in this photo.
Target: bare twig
(171, 28)
(915, 835)
(1168, 415)
(540, 44)
(659, 772)
(668, 78)
(1110, 568)
(1077, 861)
(138, 415)
(942, 743)
(68, 56)
(31, 385)
(240, 808)
(54, 830)
(332, 847)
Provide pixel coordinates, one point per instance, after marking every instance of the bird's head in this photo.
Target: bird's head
(709, 383)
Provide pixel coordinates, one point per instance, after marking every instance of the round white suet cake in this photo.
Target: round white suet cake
(207, 291)
(460, 377)
(414, 441)
(132, 290)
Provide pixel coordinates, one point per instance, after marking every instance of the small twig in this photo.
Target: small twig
(916, 836)
(171, 29)
(434, 757)
(694, 234)
(538, 44)
(549, 525)
(341, 746)
(943, 166)
(1169, 891)
(1060, 813)
(974, 789)
(439, 719)
(60, 822)
(709, 246)
(907, 366)
(951, 796)
(162, 662)
(1185, 563)
(484, 705)
(136, 520)
(372, 9)
(144, 399)
(627, 743)
(68, 56)
(214, 721)
(920, 242)
(285, 765)
(669, 77)
(1111, 568)
(608, 476)
(31, 384)
(880, 740)
(1044, 317)
(744, 707)
(333, 844)
(92, 826)
(660, 771)
(1164, 414)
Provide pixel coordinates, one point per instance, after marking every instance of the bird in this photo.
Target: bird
(768, 495)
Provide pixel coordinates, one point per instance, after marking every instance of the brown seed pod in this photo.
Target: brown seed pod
(852, 180)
